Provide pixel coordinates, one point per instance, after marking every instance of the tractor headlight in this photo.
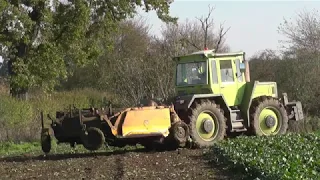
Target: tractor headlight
(273, 90)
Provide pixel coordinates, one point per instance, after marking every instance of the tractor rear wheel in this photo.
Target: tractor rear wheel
(207, 124)
(269, 117)
(93, 139)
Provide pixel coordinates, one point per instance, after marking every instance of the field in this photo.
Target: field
(294, 156)
(133, 163)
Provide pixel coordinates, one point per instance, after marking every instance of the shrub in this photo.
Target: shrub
(20, 119)
(309, 124)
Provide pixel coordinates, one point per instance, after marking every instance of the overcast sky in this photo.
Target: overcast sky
(254, 24)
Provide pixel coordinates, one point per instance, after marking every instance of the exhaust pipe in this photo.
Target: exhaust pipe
(247, 68)
(247, 72)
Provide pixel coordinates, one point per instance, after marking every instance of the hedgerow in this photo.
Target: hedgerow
(20, 119)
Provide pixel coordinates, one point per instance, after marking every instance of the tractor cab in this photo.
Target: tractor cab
(207, 72)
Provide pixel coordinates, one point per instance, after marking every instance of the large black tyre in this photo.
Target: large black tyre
(207, 124)
(93, 139)
(45, 140)
(268, 117)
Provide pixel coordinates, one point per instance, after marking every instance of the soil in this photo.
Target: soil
(178, 164)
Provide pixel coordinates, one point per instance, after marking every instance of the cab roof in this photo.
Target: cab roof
(211, 53)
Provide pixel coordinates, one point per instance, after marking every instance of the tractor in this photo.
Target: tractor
(215, 97)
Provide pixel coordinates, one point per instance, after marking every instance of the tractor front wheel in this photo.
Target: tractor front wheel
(269, 117)
(207, 124)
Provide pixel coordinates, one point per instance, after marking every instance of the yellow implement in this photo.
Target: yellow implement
(142, 121)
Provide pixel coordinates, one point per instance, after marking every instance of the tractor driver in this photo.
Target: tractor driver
(202, 75)
(198, 75)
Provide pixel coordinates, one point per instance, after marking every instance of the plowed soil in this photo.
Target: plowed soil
(178, 164)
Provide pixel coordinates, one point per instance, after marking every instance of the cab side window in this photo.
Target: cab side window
(226, 71)
(239, 74)
(214, 72)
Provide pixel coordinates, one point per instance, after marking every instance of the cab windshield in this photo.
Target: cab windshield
(193, 73)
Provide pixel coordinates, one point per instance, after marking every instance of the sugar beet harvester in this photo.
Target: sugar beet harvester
(215, 98)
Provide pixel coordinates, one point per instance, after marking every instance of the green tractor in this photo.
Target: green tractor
(216, 98)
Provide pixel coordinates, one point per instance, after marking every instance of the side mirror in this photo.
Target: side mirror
(242, 67)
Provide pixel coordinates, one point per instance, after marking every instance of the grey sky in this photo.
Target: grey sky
(254, 24)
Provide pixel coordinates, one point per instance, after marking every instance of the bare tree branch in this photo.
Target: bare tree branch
(193, 36)
(303, 33)
(222, 33)
(206, 23)
(184, 39)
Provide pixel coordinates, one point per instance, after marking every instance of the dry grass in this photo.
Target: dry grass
(20, 119)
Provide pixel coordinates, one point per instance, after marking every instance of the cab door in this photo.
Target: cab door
(241, 83)
(227, 80)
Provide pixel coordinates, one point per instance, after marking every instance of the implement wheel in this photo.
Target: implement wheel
(45, 140)
(93, 139)
(269, 117)
(180, 131)
(207, 124)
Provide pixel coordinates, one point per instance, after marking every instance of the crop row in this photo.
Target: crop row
(295, 156)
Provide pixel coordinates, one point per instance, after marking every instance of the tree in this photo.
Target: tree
(206, 24)
(190, 36)
(303, 34)
(266, 55)
(45, 41)
(141, 65)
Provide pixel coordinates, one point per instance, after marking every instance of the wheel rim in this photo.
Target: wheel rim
(206, 118)
(269, 121)
(181, 133)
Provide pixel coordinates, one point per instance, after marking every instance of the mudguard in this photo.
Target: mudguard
(185, 102)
